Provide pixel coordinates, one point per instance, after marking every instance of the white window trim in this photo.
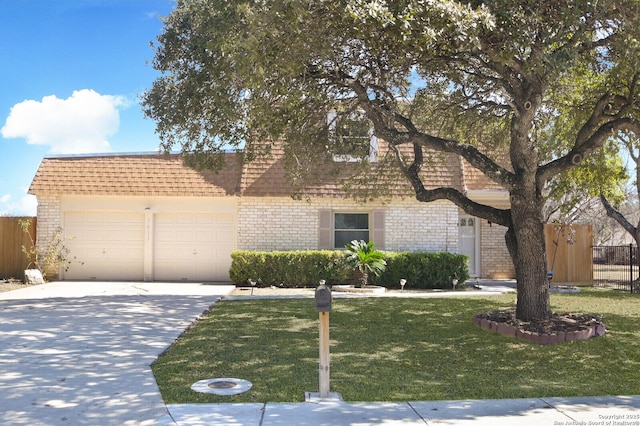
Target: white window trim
(373, 145)
(326, 227)
(333, 224)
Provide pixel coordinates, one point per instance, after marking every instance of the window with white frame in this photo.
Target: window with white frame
(350, 226)
(352, 138)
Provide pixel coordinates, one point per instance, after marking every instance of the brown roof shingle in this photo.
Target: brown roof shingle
(130, 174)
(168, 175)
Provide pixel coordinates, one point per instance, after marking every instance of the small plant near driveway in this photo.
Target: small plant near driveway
(56, 254)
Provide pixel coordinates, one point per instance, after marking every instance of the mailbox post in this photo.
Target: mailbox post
(323, 305)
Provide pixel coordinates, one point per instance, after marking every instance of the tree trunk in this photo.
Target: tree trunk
(525, 241)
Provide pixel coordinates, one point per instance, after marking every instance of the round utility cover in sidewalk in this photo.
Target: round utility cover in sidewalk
(222, 386)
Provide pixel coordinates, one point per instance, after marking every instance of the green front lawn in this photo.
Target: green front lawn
(389, 349)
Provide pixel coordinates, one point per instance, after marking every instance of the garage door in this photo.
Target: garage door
(193, 246)
(110, 245)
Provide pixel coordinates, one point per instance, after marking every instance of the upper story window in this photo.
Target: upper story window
(352, 138)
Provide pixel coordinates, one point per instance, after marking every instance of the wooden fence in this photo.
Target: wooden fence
(569, 253)
(13, 261)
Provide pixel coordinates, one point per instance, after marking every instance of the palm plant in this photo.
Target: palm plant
(365, 259)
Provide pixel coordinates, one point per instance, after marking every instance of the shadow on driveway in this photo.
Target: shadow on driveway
(86, 360)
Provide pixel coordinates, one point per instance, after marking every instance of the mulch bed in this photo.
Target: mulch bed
(560, 327)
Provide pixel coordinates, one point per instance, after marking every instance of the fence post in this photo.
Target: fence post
(630, 267)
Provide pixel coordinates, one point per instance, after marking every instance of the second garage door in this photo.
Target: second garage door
(193, 246)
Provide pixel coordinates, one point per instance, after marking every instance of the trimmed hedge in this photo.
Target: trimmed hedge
(288, 268)
(423, 270)
(306, 268)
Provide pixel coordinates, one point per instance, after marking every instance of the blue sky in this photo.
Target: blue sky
(70, 77)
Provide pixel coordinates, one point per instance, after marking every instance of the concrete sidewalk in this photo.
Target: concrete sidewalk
(75, 353)
(522, 412)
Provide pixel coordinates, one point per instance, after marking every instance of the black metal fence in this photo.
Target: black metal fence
(616, 267)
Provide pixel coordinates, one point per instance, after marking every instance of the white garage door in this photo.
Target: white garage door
(110, 245)
(193, 246)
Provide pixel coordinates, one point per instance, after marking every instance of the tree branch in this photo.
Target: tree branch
(619, 217)
(382, 118)
(594, 120)
(492, 214)
(412, 173)
(592, 143)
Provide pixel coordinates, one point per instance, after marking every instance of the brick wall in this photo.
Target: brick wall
(266, 223)
(49, 219)
(281, 223)
(495, 261)
(287, 224)
(416, 226)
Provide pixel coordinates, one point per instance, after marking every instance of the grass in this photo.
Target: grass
(388, 349)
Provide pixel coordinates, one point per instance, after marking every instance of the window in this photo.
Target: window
(352, 138)
(337, 229)
(349, 227)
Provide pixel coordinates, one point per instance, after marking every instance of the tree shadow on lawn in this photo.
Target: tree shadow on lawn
(385, 349)
(423, 357)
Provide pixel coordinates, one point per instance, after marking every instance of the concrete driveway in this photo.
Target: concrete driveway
(79, 353)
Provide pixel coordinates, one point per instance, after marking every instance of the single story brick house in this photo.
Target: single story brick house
(151, 217)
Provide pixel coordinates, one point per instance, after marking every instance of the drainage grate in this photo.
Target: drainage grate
(221, 386)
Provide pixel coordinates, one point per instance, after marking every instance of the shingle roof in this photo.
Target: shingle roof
(167, 175)
(267, 177)
(474, 179)
(127, 174)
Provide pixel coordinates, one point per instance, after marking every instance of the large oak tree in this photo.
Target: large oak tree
(523, 91)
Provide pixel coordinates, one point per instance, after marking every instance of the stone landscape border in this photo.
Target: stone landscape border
(370, 289)
(542, 339)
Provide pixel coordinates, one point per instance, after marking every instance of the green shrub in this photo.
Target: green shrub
(288, 268)
(306, 268)
(424, 270)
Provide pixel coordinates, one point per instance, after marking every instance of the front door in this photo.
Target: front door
(467, 240)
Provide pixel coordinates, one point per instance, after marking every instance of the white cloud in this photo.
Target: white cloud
(79, 124)
(26, 205)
